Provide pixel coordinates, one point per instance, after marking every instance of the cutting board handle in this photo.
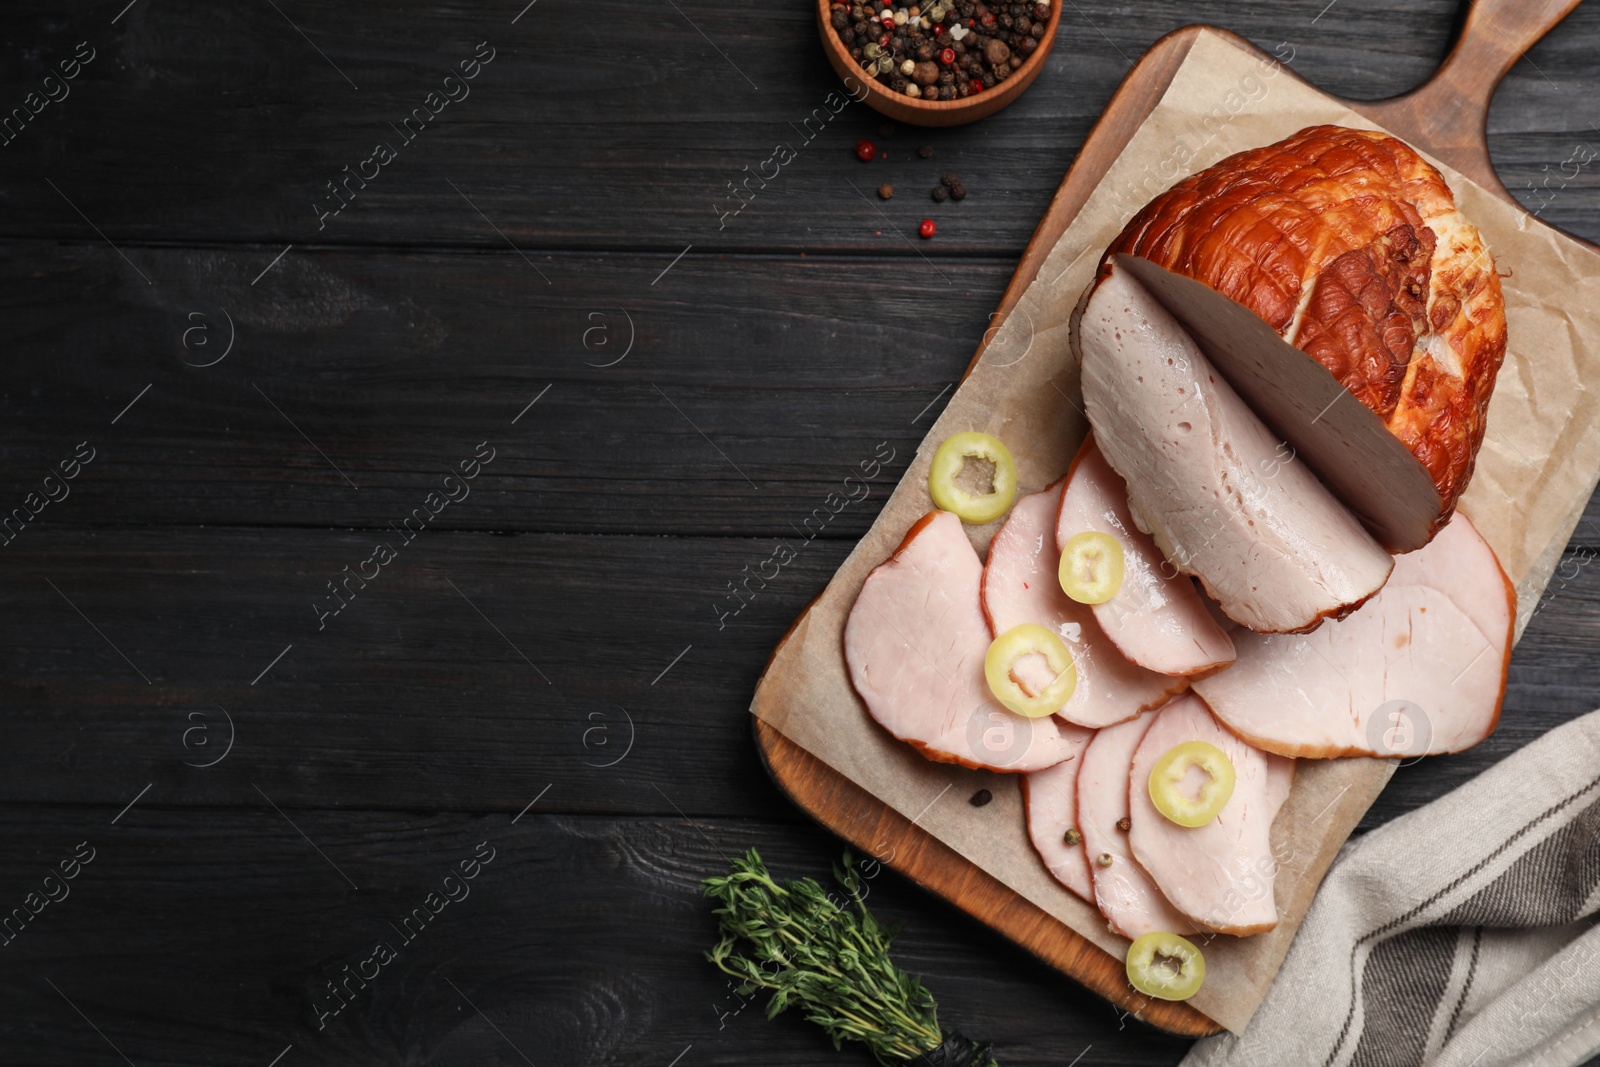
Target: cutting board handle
(1448, 115)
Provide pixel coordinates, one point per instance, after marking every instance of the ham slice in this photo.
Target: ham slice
(1050, 798)
(1220, 874)
(1123, 891)
(1157, 619)
(915, 642)
(1020, 585)
(1220, 495)
(1420, 669)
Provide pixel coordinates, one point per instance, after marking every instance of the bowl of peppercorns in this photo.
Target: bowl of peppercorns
(939, 62)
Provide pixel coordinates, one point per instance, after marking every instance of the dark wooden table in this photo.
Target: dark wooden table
(277, 739)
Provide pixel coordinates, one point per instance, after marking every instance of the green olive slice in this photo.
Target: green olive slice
(1166, 966)
(976, 508)
(1167, 777)
(1091, 567)
(999, 670)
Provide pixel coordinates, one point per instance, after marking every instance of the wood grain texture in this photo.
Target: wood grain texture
(580, 942)
(732, 412)
(226, 125)
(797, 334)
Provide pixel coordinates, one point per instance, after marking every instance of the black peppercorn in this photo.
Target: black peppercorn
(981, 797)
(926, 151)
(958, 191)
(840, 19)
(948, 178)
(940, 194)
(885, 191)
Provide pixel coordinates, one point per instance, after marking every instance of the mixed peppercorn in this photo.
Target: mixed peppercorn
(946, 50)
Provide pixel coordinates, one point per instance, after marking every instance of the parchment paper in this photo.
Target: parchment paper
(1537, 469)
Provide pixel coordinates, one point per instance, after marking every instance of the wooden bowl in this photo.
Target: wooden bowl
(916, 112)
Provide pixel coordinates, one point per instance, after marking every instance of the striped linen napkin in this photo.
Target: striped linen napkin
(1460, 935)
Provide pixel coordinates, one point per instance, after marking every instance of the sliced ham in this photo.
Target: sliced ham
(1123, 892)
(1420, 669)
(1220, 874)
(1157, 619)
(915, 642)
(1020, 585)
(1050, 798)
(1220, 495)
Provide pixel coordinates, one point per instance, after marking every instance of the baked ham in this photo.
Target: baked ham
(1212, 485)
(915, 642)
(1123, 890)
(1157, 618)
(1220, 874)
(1420, 669)
(1020, 585)
(1349, 245)
(1050, 803)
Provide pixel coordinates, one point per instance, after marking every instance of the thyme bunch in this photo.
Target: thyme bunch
(831, 959)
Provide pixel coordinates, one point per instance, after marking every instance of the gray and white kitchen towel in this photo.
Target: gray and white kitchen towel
(1459, 935)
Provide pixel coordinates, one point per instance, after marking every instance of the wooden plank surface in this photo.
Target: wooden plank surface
(597, 544)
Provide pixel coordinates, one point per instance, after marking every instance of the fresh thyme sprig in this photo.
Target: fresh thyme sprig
(832, 960)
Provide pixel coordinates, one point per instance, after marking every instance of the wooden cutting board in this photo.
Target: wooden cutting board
(1446, 117)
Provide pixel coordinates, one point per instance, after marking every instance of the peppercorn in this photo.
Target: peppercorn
(885, 191)
(981, 797)
(1028, 46)
(940, 194)
(1041, 12)
(839, 19)
(996, 51)
(865, 150)
(912, 90)
(1072, 837)
(927, 229)
(946, 78)
(925, 74)
(1103, 860)
(926, 151)
(1124, 824)
(898, 84)
(924, 52)
(958, 191)
(948, 56)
